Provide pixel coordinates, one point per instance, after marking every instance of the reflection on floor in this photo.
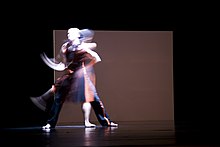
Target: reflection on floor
(126, 134)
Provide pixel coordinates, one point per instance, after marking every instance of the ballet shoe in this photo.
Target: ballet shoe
(112, 124)
(89, 125)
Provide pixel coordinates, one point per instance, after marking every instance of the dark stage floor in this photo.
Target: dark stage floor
(126, 134)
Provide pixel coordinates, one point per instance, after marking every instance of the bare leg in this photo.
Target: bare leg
(86, 109)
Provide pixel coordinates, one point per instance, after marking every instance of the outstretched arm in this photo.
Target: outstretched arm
(91, 46)
(96, 57)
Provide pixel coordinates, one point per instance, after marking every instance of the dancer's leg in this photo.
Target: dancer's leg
(101, 113)
(44, 101)
(86, 109)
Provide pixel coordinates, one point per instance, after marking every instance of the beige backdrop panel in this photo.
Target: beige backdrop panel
(134, 78)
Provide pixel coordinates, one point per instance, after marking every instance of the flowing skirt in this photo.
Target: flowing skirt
(82, 87)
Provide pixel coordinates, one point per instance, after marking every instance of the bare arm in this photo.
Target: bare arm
(94, 55)
(91, 46)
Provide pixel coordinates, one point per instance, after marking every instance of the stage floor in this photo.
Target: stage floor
(126, 134)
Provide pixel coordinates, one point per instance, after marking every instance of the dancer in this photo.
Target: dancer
(60, 88)
(78, 85)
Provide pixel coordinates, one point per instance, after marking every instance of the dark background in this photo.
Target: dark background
(26, 32)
